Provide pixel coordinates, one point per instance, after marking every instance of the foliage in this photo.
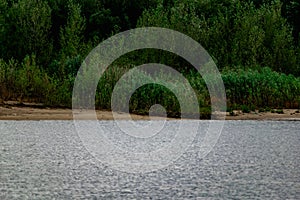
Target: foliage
(23, 80)
(255, 43)
(27, 24)
(263, 88)
(234, 33)
(71, 36)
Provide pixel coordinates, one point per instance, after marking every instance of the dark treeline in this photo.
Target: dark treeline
(43, 42)
(56, 29)
(245, 33)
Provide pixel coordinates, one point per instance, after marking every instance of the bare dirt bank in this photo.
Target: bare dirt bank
(32, 111)
(288, 115)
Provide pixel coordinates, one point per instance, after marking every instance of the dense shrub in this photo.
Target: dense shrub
(262, 88)
(24, 80)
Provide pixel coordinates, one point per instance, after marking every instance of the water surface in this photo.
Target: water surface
(252, 159)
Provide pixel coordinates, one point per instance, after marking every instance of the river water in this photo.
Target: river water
(251, 160)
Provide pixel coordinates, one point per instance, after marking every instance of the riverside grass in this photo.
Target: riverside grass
(246, 89)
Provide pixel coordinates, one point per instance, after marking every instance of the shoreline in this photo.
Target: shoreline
(33, 111)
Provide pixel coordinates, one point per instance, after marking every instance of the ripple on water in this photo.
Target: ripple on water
(252, 159)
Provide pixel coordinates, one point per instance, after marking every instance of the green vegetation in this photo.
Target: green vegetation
(254, 43)
(261, 88)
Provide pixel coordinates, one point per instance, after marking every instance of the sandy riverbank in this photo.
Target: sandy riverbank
(30, 111)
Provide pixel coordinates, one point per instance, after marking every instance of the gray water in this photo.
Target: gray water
(251, 160)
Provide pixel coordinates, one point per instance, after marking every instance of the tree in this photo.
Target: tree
(29, 23)
(71, 36)
(3, 28)
(291, 10)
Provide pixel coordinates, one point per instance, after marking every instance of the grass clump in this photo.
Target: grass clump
(245, 109)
